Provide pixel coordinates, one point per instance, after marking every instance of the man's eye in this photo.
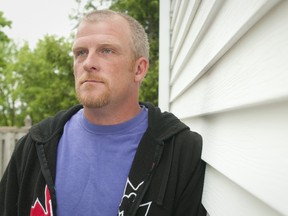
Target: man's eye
(80, 53)
(106, 51)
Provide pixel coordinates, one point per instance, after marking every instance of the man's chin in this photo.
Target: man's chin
(93, 103)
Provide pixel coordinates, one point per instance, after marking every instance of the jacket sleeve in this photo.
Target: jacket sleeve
(189, 201)
(9, 184)
(9, 190)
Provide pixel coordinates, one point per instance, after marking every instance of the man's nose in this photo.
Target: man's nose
(91, 63)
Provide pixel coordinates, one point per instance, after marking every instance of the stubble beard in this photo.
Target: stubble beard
(87, 99)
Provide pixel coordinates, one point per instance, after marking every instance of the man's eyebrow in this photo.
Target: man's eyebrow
(78, 45)
(75, 48)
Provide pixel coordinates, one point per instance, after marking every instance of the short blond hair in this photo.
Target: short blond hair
(139, 38)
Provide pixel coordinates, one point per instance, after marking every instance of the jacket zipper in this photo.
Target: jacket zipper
(139, 197)
(166, 174)
(47, 174)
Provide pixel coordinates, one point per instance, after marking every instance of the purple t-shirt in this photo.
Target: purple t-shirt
(93, 164)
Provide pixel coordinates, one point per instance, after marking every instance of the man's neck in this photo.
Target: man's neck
(111, 116)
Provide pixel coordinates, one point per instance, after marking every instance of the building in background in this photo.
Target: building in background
(224, 72)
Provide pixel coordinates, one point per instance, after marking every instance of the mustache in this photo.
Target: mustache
(91, 78)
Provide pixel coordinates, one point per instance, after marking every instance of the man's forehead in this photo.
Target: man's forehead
(96, 40)
(109, 27)
(114, 32)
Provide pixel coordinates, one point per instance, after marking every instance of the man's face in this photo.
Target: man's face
(104, 63)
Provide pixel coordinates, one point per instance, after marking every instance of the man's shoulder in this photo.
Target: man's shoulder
(43, 130)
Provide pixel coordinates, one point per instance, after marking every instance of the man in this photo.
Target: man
(111, 154)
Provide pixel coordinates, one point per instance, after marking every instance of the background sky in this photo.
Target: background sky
(32, 19)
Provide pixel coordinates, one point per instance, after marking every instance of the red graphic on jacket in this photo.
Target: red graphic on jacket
(38, 210)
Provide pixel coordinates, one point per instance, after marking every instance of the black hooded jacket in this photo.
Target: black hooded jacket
(166, 177)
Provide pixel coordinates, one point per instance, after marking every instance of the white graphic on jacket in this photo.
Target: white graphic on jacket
(38, 210)
(130, 193)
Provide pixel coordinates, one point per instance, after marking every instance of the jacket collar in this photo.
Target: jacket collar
(162, 125)
(48, 128)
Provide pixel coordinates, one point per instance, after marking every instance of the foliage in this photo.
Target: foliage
(7, 80)
(39, 82)
(3, 23)
(36, 82)
(8, 84)
(46, 74)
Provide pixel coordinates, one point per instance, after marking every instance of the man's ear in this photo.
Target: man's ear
(141, 69)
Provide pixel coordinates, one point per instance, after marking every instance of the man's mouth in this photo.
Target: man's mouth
(92, 81)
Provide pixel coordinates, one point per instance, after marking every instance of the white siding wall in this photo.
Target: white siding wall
(224, 72)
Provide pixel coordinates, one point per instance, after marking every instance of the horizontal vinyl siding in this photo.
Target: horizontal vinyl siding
(223, 197)
(224, 25)
(249, 148)
(228, 80)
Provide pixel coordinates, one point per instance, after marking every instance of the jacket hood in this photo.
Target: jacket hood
(162, 124)
(46, 129)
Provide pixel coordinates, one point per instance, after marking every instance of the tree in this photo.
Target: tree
(7, 81)
(47, 81)
(40, 82)
(4, 23)
(37, 82)
(8, 85)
